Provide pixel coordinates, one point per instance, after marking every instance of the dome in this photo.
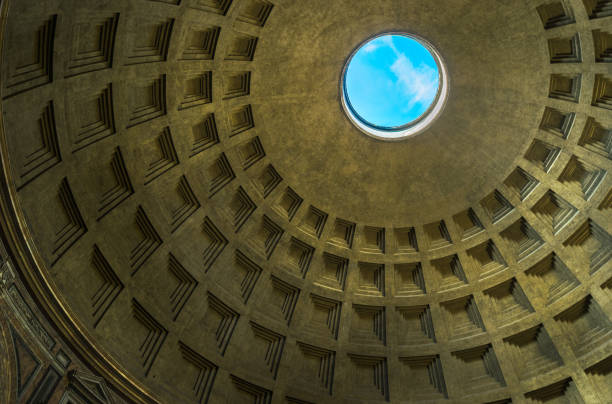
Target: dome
(191, 215)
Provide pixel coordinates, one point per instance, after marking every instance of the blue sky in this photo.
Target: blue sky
(392, 80)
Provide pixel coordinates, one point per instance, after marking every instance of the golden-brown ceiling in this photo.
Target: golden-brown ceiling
(188, 204)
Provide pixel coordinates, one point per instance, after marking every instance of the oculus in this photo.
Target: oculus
(394, 86)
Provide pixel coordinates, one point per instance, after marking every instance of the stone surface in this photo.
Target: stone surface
(198, 221)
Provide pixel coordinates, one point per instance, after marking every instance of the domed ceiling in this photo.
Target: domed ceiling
(187, 203)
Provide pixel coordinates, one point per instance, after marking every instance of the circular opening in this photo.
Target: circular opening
(394, 86)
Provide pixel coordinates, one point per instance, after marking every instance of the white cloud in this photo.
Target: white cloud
(371, 47)
(377, 43)
(388, 40)
(419, 83)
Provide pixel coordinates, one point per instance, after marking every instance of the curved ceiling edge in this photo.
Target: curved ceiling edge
(33, 272)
